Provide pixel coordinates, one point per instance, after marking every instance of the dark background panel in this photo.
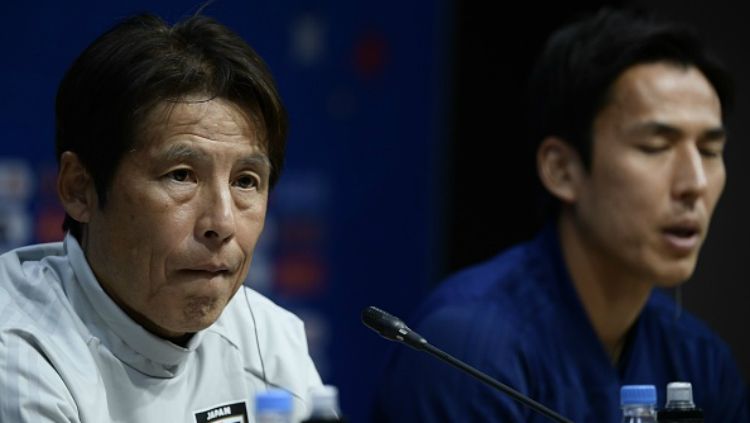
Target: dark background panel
(493, 200)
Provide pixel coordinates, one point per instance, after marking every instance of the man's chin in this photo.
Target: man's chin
(186, 329)
(196, 315)
(675, 275)
(200, 316)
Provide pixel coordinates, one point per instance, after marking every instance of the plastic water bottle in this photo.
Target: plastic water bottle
(638, 403)
(680, 407)
(273, 406)
(325, 405)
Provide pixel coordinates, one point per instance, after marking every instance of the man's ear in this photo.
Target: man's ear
(560, 169)
(75, 188)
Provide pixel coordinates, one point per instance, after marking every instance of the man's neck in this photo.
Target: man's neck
(611, 296)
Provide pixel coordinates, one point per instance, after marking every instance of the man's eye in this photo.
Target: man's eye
(713, 149)
(180, 175)
(711, 152)
(247, 182)
(653, 149)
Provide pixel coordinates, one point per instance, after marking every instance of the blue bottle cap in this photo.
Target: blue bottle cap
(273, 400)
(638, 394)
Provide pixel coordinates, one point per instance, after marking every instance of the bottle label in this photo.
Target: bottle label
(671, 415)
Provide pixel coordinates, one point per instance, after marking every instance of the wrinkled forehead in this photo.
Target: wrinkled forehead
(206, 115)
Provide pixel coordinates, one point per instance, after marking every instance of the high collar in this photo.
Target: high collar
(124, 337)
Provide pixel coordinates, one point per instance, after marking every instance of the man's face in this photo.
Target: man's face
(175, 239)
(656, 173)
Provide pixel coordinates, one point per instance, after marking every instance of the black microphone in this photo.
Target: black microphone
(393, 328)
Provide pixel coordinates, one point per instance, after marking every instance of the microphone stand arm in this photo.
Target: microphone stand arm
(427, 347)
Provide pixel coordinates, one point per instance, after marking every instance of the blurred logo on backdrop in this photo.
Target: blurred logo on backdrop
(291, 263)
(50, 214)
(16, 186)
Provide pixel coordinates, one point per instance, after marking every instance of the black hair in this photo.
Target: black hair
(106, 96)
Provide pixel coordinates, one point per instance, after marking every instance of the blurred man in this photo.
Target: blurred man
(169, 140)
(628, 123)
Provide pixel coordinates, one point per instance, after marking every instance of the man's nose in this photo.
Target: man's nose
(217, 219)
(690, 180)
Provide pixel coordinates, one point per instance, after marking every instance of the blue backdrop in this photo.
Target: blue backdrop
(354, 220)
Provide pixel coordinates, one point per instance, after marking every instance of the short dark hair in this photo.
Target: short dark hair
(572, 79)
(112, 87)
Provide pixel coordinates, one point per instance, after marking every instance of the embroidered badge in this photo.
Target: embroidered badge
(225, 413)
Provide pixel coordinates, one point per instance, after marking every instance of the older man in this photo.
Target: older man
(169, 139)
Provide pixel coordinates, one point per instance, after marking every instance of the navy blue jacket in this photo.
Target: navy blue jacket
(517, 317)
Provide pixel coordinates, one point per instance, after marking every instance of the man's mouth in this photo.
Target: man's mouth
(681, 232)
(682, 237)
(211, 268)
(208, 270)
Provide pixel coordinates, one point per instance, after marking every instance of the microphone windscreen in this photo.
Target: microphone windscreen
(382, 322)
